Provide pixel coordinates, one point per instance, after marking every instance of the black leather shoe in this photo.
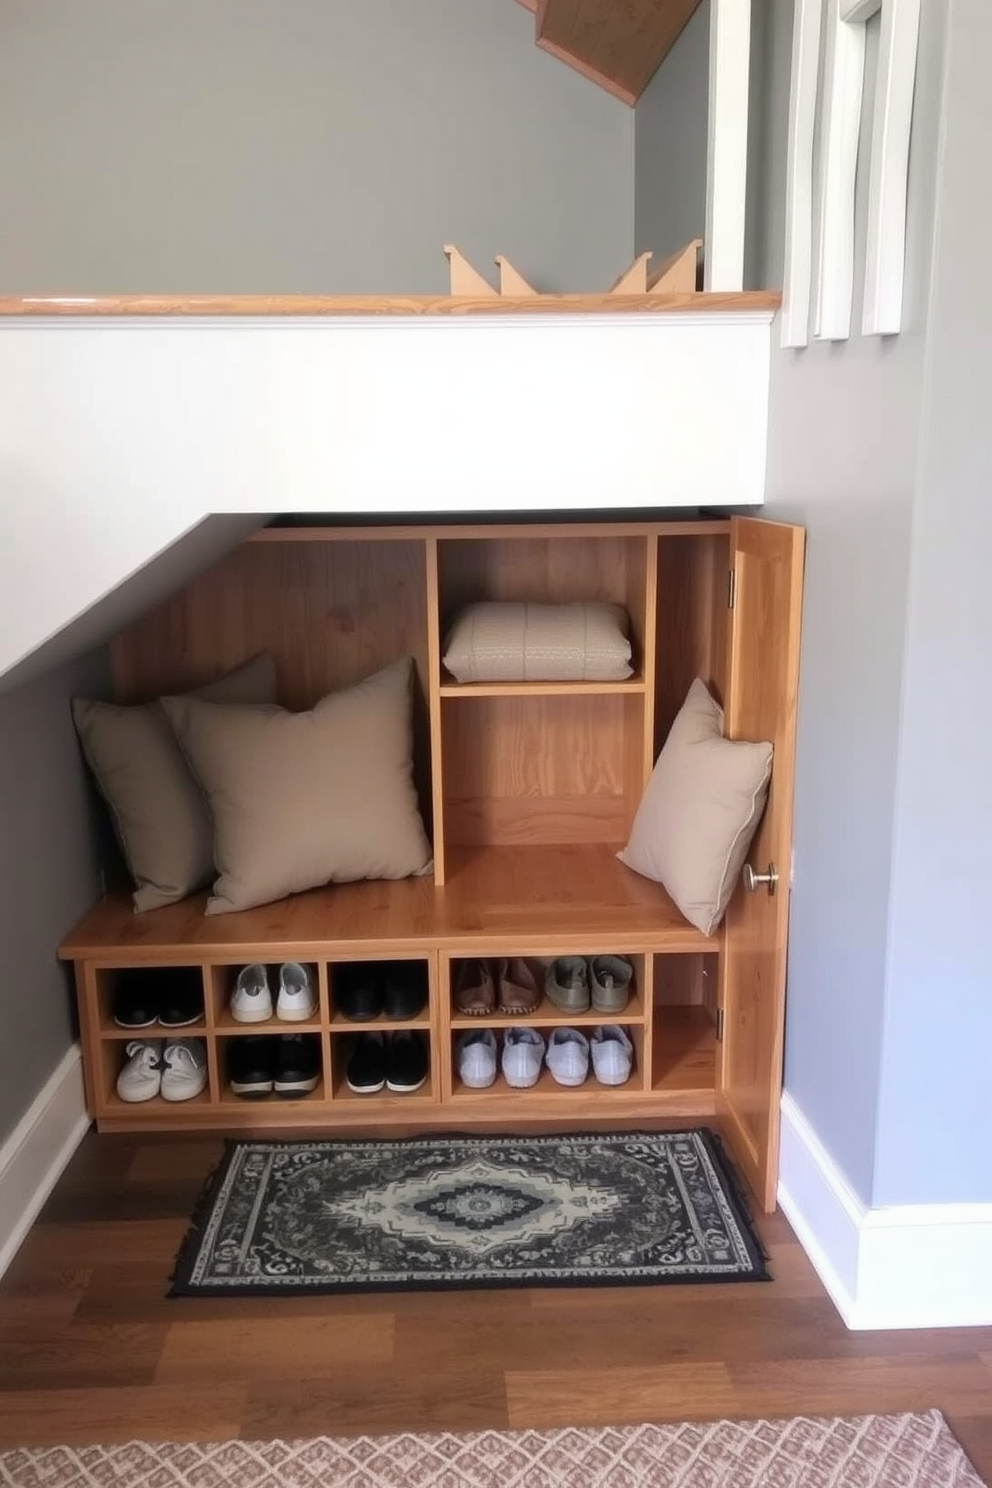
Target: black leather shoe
(182, 997)
(137, 998)
(404, 992)
(366, 1072)
(297, 1064)
(356, 989)
(406, 1062)
(251, 1066)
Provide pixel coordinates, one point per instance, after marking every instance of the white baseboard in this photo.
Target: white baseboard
(904, 1266)
(33, 1156)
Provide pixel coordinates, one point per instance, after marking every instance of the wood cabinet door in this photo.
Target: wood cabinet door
(762, 684)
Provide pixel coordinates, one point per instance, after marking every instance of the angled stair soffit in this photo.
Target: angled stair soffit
(618, 46)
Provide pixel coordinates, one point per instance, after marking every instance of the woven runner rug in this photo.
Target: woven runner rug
(907, 1451)
(451, 1212)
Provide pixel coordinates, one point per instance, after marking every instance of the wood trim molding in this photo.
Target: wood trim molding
(104, 306)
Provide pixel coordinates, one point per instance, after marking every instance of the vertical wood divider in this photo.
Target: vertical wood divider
(89, 1032)
(434, 699)
(647, 998)
(324, 986)
(441, 1023)
(650, 652)
(215, 1075)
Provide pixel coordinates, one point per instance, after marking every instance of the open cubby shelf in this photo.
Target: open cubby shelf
(528, 789)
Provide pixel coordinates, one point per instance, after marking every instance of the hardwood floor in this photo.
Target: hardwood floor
(91, 1349)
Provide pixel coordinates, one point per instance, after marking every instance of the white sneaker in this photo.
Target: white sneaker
(523, 1055)
(251, 1001)
(141, 1077)
(612, 1055)
(184, 1069)
(296, 1002)
(568, 1056)
(476, 1055)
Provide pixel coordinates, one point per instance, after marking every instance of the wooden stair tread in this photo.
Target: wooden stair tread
(575, 897)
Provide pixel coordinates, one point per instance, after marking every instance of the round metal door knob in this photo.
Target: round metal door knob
(753, 880)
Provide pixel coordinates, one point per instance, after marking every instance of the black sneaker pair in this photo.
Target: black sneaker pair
(363, 990)
(170, 995)
(397, 1061)
(288, 1065)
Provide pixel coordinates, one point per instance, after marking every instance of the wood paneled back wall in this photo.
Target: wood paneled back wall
(330, 613)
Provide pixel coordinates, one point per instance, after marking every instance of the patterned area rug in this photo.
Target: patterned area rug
(912, 1451)
(451, 1212)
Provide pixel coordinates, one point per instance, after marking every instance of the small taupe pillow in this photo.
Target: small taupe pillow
(509, 641)
(304, 799)
(159, 814)
(699, 812)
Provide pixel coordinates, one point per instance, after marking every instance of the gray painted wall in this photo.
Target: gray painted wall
(49, 872)
(843, 454)
(670, 128)
(935, 1106)
(300, 146)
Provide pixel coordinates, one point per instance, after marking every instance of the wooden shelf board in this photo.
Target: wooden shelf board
(183, 306)
(563, 531)
(547, 1087)
(231, 1102)
(527, 900)
(114, 1106)
(343, 1096)
(549, 1016)
(273, 1027)
(685, 1050)
(112, 1034)
(634, 685)
(342, 1025)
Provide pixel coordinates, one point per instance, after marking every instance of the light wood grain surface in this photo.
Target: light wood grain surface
(329, 305)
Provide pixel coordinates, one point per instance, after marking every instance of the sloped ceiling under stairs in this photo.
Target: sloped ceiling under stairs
(618, 44)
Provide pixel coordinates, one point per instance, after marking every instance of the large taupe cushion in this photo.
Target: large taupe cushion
(699, 812)
(159, 814)
(304, 799)
(507, 641)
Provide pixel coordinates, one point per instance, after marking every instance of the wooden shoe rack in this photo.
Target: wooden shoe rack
(528, 790)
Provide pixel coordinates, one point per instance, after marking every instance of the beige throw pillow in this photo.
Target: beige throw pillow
(304, 799)
(159, 814)
(699, 812)
(509, 641)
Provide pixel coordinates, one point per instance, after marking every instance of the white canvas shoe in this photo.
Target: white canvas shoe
(612, 1055)
(476, 1058)
(184, 1069)
(251, 1001)
(141, 1077)
(568, 1056)
(523, 1055)
(296, 1002)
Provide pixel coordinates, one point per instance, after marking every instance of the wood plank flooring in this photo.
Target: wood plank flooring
(92, 1350)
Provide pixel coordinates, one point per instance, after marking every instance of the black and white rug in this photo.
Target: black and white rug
(452, 1212)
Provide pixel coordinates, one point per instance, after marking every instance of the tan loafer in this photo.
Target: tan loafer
(475, 991)
(519, 990)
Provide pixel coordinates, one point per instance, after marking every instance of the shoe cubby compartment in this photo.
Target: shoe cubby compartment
(241, 1061)
(381, 992)
(345, 1045)
(547, 1012)
(590, 1091)
(115, 987)
(684, 1040)
(112, 1059)
(222, 981)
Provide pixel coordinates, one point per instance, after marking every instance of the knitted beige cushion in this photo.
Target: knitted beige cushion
(304, 799)
(159, 814)
(699, 812)
(506, 641)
